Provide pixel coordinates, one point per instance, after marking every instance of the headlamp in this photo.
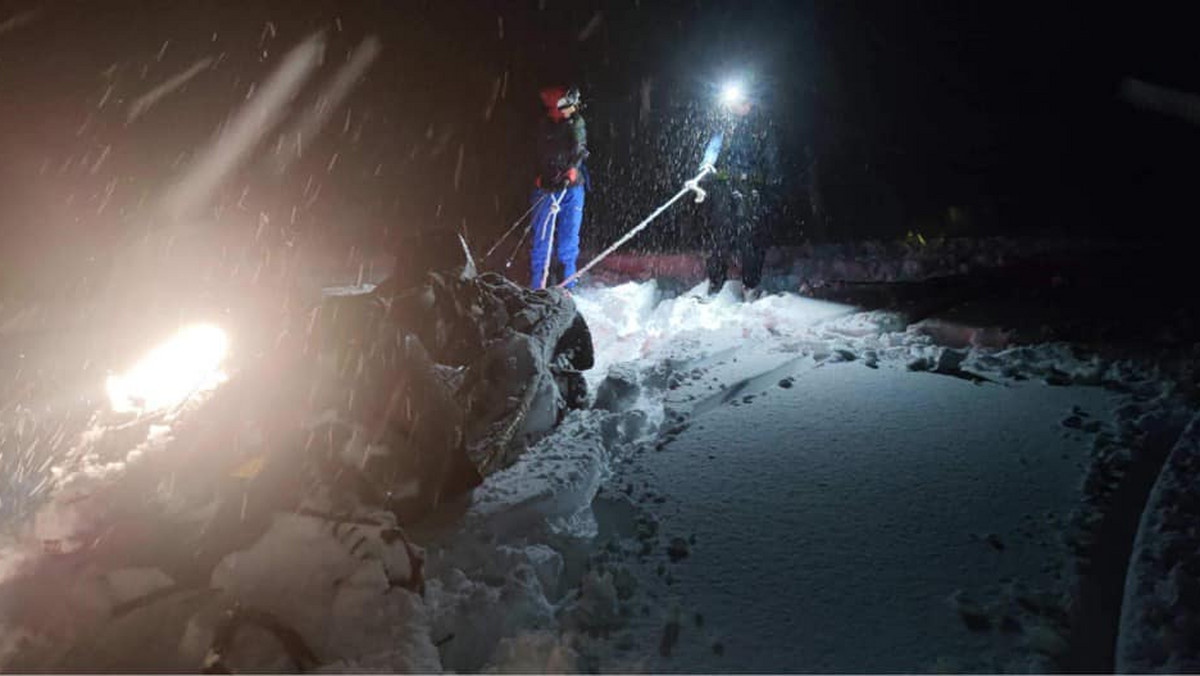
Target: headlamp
(733, 93)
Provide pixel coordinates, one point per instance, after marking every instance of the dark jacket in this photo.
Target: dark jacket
(746, 188)
(749, 158)
(561, 145)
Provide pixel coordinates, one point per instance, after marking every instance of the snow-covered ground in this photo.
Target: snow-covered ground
(783, 485)
(1160, 613)
(790, 485)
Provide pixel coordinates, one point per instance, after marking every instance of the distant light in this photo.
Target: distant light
(733, 93)
(188, 363)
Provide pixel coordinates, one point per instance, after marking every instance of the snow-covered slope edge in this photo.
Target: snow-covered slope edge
(1160, 613)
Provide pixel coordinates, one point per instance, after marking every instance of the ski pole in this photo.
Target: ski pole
(514, 227)
(692, 185)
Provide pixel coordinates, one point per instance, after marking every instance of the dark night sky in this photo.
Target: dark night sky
(1016, 105)
(1007, 111)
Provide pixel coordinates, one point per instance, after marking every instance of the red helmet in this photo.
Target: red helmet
(557, 98)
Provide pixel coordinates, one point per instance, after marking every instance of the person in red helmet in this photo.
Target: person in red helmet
(559, 197)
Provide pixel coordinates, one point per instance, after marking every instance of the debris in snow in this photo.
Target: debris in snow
(974, 616)
(787, 382)
(647, 528)
(920, 364)
(625, 582)
(678, 549)
(670, 632)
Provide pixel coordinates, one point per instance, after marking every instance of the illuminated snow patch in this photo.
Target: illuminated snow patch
(188, 363)
(633, 322)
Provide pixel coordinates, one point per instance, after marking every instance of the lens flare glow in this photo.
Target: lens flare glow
(188, 363)
(733, 93)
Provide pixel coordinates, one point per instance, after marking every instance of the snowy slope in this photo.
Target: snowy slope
(835, 513)
(795, 485)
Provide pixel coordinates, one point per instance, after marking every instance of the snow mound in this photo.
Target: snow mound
(639, 322)
(552, 482)
(1160, 614)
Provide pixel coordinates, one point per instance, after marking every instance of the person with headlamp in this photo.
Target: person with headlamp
(743, 189)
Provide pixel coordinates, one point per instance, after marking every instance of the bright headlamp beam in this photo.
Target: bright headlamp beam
(732, 93)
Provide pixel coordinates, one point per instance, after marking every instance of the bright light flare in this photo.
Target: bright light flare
(188, 363)
(733, 93)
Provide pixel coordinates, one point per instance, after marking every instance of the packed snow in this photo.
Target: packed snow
(779, 485)
(792, 484)
(1161, 605)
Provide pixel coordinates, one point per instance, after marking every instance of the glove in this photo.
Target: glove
(538, 182)
(572, 175)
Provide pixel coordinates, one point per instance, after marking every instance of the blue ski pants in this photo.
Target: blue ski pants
(566, 234)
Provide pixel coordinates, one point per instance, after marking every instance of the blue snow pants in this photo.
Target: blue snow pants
(566, 234)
